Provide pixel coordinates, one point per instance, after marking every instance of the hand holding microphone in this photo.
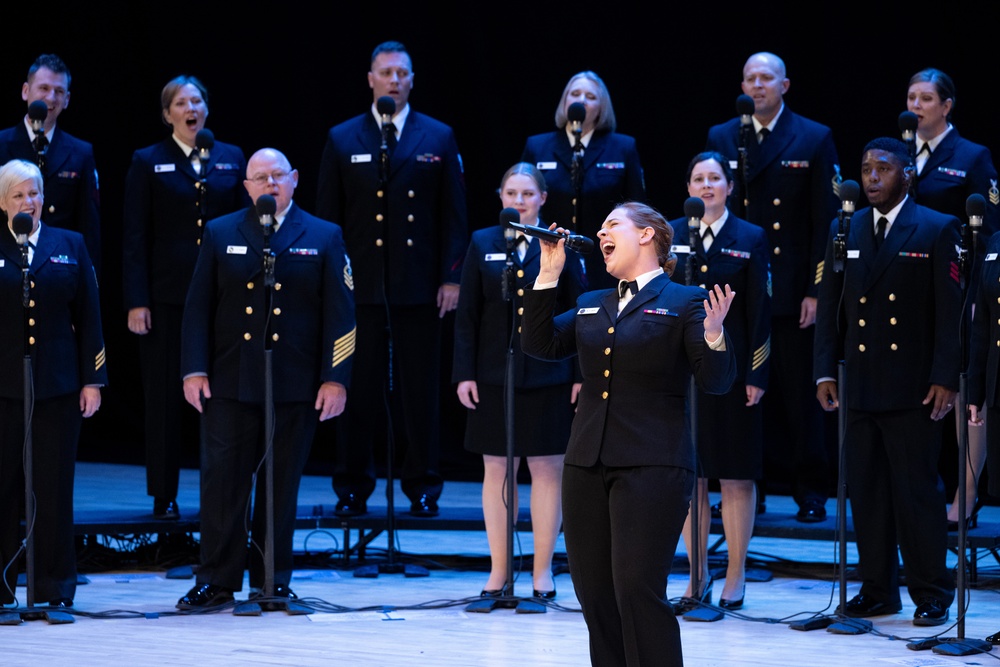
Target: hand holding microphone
(575, 242)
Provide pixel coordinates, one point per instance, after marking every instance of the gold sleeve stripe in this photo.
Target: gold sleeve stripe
(819, 272)
(99, 360)
(761, 354)
(343, 347)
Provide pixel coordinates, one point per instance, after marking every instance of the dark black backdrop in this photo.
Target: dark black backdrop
(281, 77)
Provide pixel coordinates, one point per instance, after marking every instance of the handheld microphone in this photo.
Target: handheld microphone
(37, 113)
(975, 208)
(745, 108)
(574, 242)
(266, 208)
(204, 141)
(22, 224)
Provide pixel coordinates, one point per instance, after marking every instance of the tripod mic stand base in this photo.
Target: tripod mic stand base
(529, 607)
(15, 617)
(372, 571)
(704, 614)
(850, 626)
(818, 623)
(952, 646)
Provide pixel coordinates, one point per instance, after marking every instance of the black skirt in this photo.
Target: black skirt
(730, 436)
(542, 419)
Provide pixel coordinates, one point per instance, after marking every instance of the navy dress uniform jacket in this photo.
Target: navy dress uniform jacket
(72, 198)
(68, 342)
(636, 369)
(901, 306)
(612, 173)
(311, 320)
(955, 170)
(792, 189)
(483, 319)
(163, 223)
(738, 258)
(426, 234)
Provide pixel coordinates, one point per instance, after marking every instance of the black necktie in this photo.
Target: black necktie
(879, 232)
(707, 238)
(925, 148)
(625, 286)
(762, 135)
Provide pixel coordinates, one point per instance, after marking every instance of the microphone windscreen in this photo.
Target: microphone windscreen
(975, 205)
(694, 207)
(22, 224)
(38, 110)
(745, 105)
(385, 105)
(266, 205)
(204, 140)
(576, 113)
(850, 191)
(907, 122)
(509, 215)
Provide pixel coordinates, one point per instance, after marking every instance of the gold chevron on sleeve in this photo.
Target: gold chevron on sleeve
(819, 272)
(761, 354)
(343, 347)
(99, 360)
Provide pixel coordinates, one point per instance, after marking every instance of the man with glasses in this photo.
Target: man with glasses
(268, 282)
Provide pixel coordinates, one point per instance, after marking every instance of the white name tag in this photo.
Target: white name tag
(546, 165)
(853, 254)
(355, 159)
(588, 311)
(3, 262)
(989, 257)
(686, 249)
(236, 250)
(495, 256)
(734, 164)
(160, 168)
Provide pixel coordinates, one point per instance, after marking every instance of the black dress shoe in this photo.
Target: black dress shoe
(351, 504)
(61, 603)
(165, 509)
(930, 611)
(424, 506)
(811, 513)
(543, 595)
(270, 603)
(205, 595)
(863, 606)
(491, 593)
(733, 605)
(994, 639)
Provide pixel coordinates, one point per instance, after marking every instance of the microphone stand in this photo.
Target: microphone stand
(700, 613)
(41, 146)
(390, 566)
(746, 134)
(577, 172)
(507, 599)
(839, 623)
(961, 645)
(29, 612)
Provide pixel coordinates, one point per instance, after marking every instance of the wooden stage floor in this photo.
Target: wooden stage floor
(126, 614)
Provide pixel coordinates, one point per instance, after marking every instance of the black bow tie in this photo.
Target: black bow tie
(627, 286)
